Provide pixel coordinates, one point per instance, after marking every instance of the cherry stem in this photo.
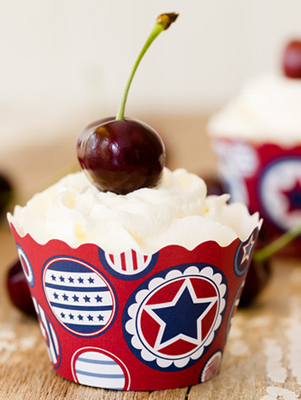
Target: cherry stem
(276, 245)
(163, 22)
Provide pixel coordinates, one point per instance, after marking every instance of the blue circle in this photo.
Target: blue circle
(132, 300)
(79, 296)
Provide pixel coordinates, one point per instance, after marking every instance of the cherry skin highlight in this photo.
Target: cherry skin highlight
(121, 156)
(291, 62)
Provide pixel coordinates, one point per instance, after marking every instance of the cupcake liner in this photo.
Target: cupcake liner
(267, 178)
(131, 321)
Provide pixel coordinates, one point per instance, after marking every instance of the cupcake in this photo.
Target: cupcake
(157, 271)
(134, 272)
(257, 138)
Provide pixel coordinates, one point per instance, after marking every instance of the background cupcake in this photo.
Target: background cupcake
(257, 138)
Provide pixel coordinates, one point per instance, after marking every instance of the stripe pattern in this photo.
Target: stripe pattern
(94, 368)
(80, 297)
(129, 262)
(49, 334)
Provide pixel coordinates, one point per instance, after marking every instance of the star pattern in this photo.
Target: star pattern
(62, 296)
(182, 317)
(77, 298)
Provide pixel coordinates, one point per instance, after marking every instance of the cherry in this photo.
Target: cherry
(257, 279)
(6, 192)
(123, 154)
(291, 62)
(18, 289)
(259, 273)
(260, 269)
(214, 185)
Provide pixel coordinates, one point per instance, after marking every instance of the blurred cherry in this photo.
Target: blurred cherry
(291, 61)
(6, 192)
(259, 274)
(214, 185)
(18, 289)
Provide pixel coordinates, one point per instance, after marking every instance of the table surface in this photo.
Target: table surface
(263, 353)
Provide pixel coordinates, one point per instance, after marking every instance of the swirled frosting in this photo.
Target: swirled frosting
(267, 109)
(177, 211)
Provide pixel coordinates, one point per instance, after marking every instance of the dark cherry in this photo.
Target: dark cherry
(18, 289)
(214, 185)
(258, 278)
(260, 271)
(6, 192)
(121, 155)
(291, 61)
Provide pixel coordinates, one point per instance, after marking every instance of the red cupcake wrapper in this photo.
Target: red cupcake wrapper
(267, 178)
(134, 322)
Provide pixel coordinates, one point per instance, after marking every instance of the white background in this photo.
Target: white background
(64, 62)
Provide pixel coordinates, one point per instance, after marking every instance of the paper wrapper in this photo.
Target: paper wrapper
(267, 178)
(134, 322)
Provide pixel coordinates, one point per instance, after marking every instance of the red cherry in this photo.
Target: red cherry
(291, 62)
(121, 155)
(18, 289)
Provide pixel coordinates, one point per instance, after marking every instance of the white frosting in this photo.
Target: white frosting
(177, 211)
(267, 109)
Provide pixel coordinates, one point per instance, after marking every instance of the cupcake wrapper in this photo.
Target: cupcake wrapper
(135, 322)
(267, 178)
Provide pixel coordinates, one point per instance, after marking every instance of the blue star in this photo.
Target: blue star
(75, 298)
(91, 280)
(62, 279)
(53, 277)
(65, 297)
(90, 318)
(100, 317)
(56, 296)
(80, 317)
(98, 299)
(80, 280)
(71, 316)
(181, 318)
(63, 315)
(87, 299)
(71, 280)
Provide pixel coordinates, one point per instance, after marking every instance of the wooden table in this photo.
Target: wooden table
(262, 359)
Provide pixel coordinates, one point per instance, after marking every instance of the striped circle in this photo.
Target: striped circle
(50, 336)
(127, 265)
(99, 368)
(26, 266)
(79, 296)
(211, 367)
